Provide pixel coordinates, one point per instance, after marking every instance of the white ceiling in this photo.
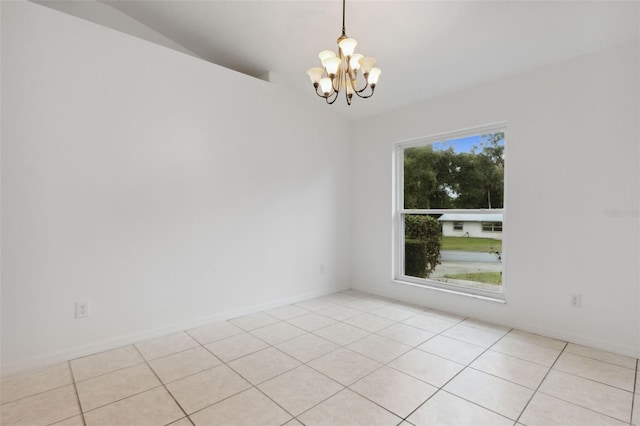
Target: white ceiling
(424, 48)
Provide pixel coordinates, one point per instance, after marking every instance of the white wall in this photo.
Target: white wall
(107, 15)
(163, 189)
(572, 155)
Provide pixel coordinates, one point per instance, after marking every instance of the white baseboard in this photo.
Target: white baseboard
(46, 360)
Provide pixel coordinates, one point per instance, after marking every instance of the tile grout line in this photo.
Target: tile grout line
(223, 363)
(255, 386)
(269, 345)
(74, 381)
(161, 383)
(122, 399)
(573, 403)
(514, 357)
(528, 342)
(391, 367)
(306, 364)
(280, 374)
(112, 371)
(488, 349)
(115, 371)
(39, 392)
(441, 388)
(634, 399)
(589, 380)
(582, 406)
(344, 387)
(396, 322)
(601, 360)
(404, 419)
(595, 380)
(75, 387)
(540, 384)
(493, 375)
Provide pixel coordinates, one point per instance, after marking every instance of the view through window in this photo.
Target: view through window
(450, 212)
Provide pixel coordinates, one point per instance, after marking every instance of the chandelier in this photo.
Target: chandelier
(341, 71)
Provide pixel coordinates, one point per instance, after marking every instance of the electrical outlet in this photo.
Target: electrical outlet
(82, 309)
(575, 301)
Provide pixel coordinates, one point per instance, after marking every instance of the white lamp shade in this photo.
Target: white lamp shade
(366, 63)
(325, 54)
(332, 65)
(325, 86)
(315, 74)
(348, 46)
(353, 62)
(374, 74)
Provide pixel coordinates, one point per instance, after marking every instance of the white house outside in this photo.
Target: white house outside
(485, 225)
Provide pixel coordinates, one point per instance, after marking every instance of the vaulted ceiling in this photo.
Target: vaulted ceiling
(424, 48)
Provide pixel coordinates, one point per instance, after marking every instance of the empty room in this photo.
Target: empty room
(335, 212)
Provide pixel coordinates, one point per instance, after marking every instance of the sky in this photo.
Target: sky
(459, 145)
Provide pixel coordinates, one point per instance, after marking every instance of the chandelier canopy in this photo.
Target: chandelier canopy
(341, 71)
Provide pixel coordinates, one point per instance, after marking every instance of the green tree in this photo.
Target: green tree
(419, 177)
(492, 164)
(427, 180)
(469, 182)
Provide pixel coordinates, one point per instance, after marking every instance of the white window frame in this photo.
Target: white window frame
(399, 212)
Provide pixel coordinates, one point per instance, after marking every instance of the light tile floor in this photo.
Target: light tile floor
(348, 358)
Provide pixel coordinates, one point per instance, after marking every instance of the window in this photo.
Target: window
(449, 211)
(492, 226)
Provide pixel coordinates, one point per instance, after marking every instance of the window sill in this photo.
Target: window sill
(497, 299)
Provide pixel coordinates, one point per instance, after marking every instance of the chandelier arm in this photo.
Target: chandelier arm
(335, 96)
(347, 96)
(320, 95)
(363, 89)
(349, 81)
(365, 96)
(366, 86)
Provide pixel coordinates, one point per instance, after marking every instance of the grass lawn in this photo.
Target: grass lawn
(484, 245)
(481, 277)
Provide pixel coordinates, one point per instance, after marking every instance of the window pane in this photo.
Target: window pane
(422, 236)
(434, 250)
(470, 261)
(473, 257)
(492, 226)
(465, 173)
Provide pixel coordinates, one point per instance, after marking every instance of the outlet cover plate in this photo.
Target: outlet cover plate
(82, 310)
